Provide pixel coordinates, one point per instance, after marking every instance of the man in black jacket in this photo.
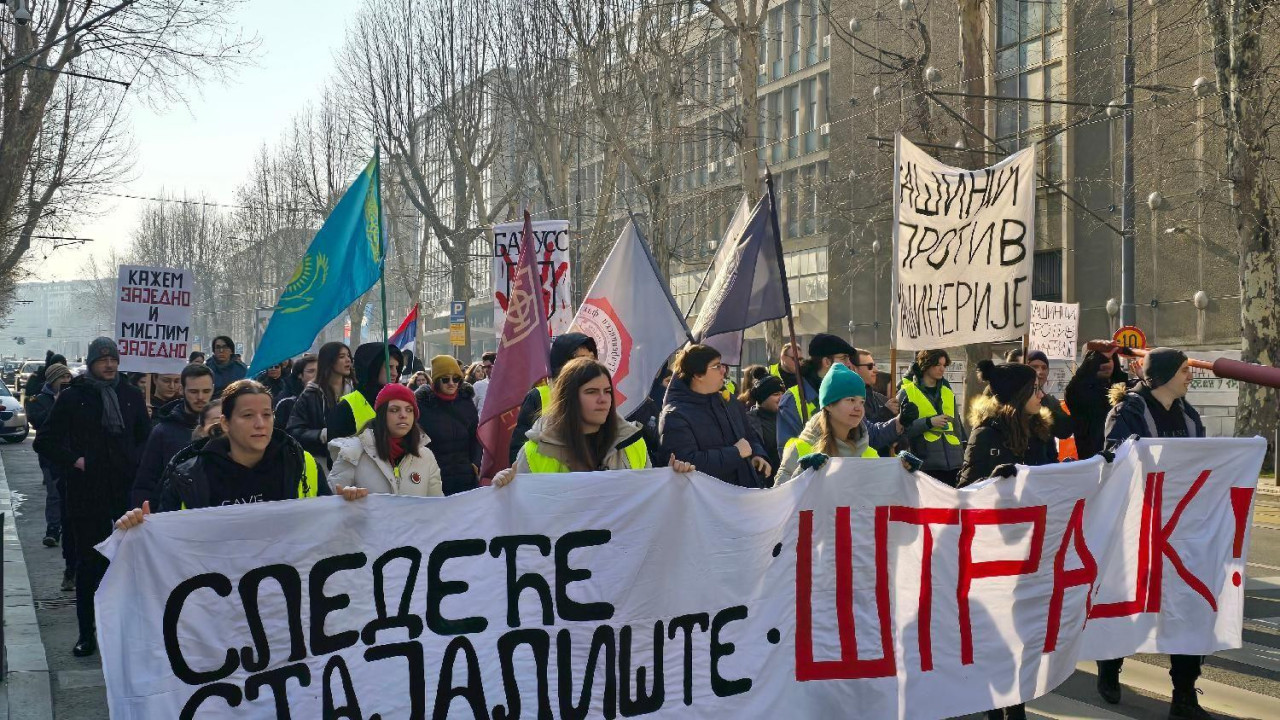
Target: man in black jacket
(174, 424)
(1157, 407)
(564, 348)
(93, 437)
(57, 376)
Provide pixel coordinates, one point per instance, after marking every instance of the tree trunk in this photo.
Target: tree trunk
(748, 81)
(974, 110)
(1237, 37)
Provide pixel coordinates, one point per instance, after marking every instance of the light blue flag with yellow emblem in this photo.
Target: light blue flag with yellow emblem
(343, 261)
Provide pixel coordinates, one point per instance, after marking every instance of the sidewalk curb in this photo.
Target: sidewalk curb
(27, 691)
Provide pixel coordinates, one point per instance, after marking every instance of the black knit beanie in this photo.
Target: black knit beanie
(766, 387)
(1161, 364)
(1007, 379)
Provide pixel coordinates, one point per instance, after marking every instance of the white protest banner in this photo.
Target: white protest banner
(553, 266)
(1055, 328)
(963, 246)
(651, 593)
(153, 318)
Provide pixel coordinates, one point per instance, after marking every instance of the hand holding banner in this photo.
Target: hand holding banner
(647, 592)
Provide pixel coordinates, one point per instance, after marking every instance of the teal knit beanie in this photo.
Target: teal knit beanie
(840, 383)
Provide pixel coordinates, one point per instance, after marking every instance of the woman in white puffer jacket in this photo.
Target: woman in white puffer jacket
(391, 455)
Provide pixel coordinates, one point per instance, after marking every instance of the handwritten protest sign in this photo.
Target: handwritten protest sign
(153, 318)
(1054, 330)
(963, 247)
(554, 270)
(635, 593)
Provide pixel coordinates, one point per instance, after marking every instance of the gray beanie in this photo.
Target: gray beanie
(1161, 364)
(55, 372)
(101, 347)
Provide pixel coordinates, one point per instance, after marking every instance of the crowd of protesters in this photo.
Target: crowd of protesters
(114, 448)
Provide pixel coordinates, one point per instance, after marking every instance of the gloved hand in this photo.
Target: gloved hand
(1051, 402)
(813, 461)
(910, 462)
(1006, 470)
(909, 414)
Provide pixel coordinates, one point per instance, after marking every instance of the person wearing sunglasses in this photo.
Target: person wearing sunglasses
(447, 413)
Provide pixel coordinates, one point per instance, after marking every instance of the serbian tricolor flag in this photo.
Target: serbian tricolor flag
(407, 332)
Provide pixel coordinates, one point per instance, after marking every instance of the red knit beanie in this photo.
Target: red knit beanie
(396, 391)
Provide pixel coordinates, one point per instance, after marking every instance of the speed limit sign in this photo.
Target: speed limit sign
(1130, 337)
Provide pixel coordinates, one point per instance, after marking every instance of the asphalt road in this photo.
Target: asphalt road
(1241, 684)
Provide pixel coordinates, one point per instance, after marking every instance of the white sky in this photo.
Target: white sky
(208, 145)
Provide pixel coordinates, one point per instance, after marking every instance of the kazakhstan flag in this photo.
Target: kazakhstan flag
(343, 261)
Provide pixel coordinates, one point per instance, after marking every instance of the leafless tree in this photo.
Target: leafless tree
(1244, 77)
(160, 46)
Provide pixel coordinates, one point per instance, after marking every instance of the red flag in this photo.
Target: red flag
(523, 356)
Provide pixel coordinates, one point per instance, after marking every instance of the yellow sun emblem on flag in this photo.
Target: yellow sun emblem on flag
(373, 224)
(311, 275)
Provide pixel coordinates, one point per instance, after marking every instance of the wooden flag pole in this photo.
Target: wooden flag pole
(803, 405)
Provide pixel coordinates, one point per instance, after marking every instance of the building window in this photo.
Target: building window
(807, 274)
(1046, 277)
(1029, 52)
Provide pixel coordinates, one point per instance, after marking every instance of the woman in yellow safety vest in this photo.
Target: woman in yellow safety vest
(250, 462)
(581, 430)
(937, 435)
(836, 431)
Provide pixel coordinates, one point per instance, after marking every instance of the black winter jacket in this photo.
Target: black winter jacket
(765, 424)
(189, 480)
(452, 429)
(308, 418)
(38, 407)
(1131, 416)
(172, 433)
(1087, 401)
(74, 430)
(702, 429)
(988, 447)
(562, 350)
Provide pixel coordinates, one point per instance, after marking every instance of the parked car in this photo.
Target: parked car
(13, 418)
(28, 369)
(9, 372)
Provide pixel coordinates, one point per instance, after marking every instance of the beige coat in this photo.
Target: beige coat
(356, 463)
(552, 446)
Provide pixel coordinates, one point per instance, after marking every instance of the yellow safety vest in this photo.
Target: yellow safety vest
(361, 410)
(637, 454)
(729, 390)
(804, 448)
(308, 484)
(544, 394)
(927, 409)
(776, 370)
(795, 394)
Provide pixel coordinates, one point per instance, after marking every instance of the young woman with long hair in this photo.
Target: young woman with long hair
(1010, 426)
(250, 462)
(836, 430)
(391, 455)
(309, 418)
(581, 430)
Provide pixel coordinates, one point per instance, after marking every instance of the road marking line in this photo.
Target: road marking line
(1262, 584)
(1060, 707)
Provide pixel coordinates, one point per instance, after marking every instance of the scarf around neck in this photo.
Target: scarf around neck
(112, 420)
